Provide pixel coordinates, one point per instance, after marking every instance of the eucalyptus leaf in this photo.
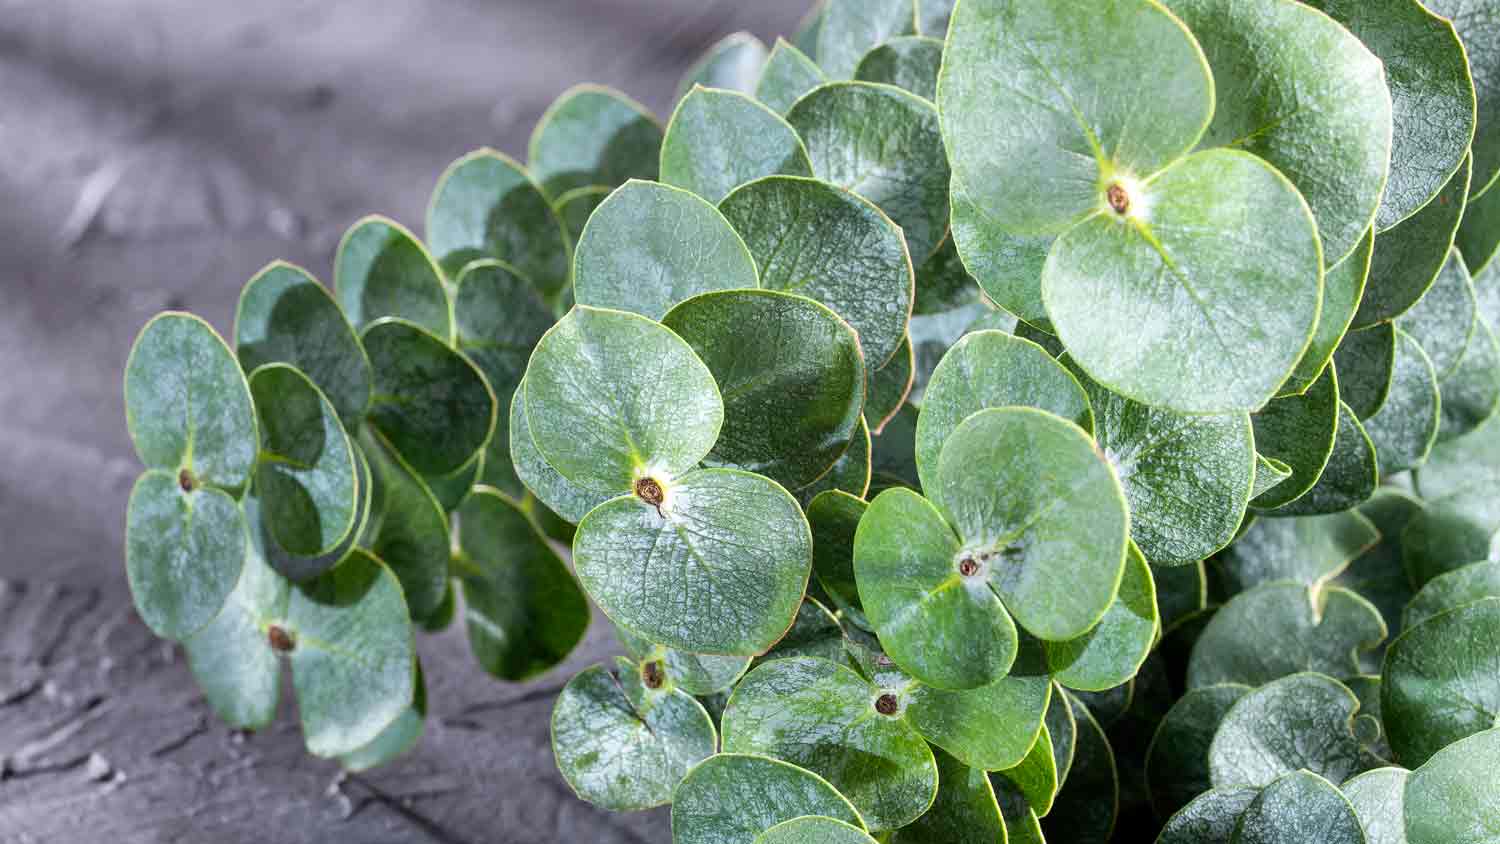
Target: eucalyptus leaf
(1443, 537)
(1300, 431)
(818, 240)
(431, 403)
(1210, 818)
(1463, 585)
(964, 811)
(1366, 361)
(1408, 256)
(187, 404)
(991, 728)
(285, 316)
(571, 501)
(1451, 798)
(1441, 681)
(1378, 798)
(1112, 652)
(1177, 762)
(184, 553)
(890, 386)
(823, 716)
(486, 205)
(1283, 628)
(1301, 806)
(1343, 290)
(1008, 267)
(382, 270)
(1443, 320)
(1478, 235)
(850, 473)
(1352, 473)
(1297, 89)
(834, 517)
(623, 745)
(788, 75)
(307, 478)
(788, 417)
(720, 568)
(1308, 549)
(988, 369)
(612, 397)
(593, 135)
(1087, 805)
(408, 528)
(731, 798)
(352, 655)
(696, 674)
(910, 63)
(1478, 26)
(1181, 591)
(1269, 472)
(814, 830)
(884, 144)
(851, 27)
(816, 632)
(733, 63)
(1021, 824)
(1406, 426)
(574, 208)
(524, 611)
(650, 246)
(1379, 574)
(1470, 395)
(1299, 722)
(718, 140)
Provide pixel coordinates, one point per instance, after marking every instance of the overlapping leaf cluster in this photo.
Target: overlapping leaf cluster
(981, 421)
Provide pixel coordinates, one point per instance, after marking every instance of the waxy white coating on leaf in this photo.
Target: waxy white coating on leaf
(1300, 722)
(718, 140)
(731, 798)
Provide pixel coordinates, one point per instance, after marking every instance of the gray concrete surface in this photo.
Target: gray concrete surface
(154, 154)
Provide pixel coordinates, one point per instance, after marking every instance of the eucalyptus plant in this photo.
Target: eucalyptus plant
(979, 420)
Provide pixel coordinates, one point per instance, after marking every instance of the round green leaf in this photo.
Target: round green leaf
(910, 63)
(1443, 537)
(814, 830)
(965, 809)
(788, 75)
(1462, 477)
(1159, 305)
(576, 206)
(1408, 256)
(612, 396)
(1465, 585)
(286, 316)
(184, 551)
(834, 516)
(1187, 478)
(1210, 818)
(1181, 591)
(1062, 728)
(1306, 549)
(1432, 97)
(1366, 361)
(821, 241)
(990, 728)
(650, 246)
(1299, 807)
(569, 500)
(430, 402)
(1112, 652)
(1470, 395)
(1088, 802)
(1441, 681)
(622, 745)
(890, 386)
(1300, 431)
(187, 403)
(696, 674)
(732, 798)
(851, 27)
(1177, 762)
(850, 473)
(1479, 28)
(398, 738)
(485, 205)
(1443, 320)
(307, 478)
(1300, 722)
(884, 144)
(1406, 426)
(1479, 233)
(788, 416)
(718, 140)
(1021, 824)
(408, 528)
(823, 716)
(1037, 118)
(1351, 475)
(733, 63)
(944, 632)
(352, 654)
(593, 135)
(232, 658)
(1284, 628)
(1452, 798)
(382, 270)
(720, 567)
(1343, 289)
(1008, 267)
(1036, 775)
(1378, 798)
(1298, 90)
(1042, 511)
(524, 611)
(1379, 574)
(992, 369)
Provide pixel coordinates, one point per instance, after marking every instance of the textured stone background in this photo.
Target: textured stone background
(154, 154)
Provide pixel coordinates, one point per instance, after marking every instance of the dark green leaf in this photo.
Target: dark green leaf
(593, 135)
(408, 528)
(910, 63)
(1088, 802)
(1470, 395)
(1036, 775)
(1299, 807)
(850, 473)
(1379, 574)
(1440, 682)
(1479, 233)
(1210, 818)
(835, 516)
(1343, 289)
(1479, 27)
(576, 206)
(1352, 472)
(382, 270)
(890, 385)
(1177, 768)
(1465, 585)
(1366, 361)
(1405, 427)
(1408, 256)
(1299, 431)
(990, 728)
(1443, 320)
(965, 811)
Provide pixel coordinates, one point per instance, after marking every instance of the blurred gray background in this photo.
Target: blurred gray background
(154, 154)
